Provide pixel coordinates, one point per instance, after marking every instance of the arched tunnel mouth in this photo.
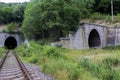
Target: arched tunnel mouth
(10, 43)
(94, 39)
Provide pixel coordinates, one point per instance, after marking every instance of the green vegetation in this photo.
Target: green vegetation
(52, 18)
(65, 64)
(104, 18)
(11, 12)
(2, 52)
(55, 18)
(104, 6)
(98, 16)
(11, 27)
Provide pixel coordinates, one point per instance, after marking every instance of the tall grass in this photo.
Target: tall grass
(104, 17)
(65, 64)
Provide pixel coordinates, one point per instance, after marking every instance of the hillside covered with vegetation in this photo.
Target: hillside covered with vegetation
(55, 18)
(43, 19)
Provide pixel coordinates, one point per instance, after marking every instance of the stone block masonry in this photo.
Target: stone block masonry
(6, 38)
(93, 36)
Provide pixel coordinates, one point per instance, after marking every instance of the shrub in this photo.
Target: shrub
(111, 61)
(52, 52)
(96, 16)
(33, 59)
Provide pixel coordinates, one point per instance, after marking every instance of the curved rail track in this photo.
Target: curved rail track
(12, 68)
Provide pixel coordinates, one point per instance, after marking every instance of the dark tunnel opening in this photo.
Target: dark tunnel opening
(94, 39)
(10, 43)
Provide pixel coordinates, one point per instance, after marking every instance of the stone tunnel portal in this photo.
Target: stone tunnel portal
(10, 43)
(94, 39)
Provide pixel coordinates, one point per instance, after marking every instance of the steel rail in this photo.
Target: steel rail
(20, 63)
(23, 68)
(3, 60)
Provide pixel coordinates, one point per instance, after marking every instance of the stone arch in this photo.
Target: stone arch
(10, 42)
(94, 40)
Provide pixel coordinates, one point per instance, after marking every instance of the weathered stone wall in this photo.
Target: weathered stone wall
(77, 39)
(117, 36)
(65, 42)
(80, 39)
(111, 35)
(5, 35)
(101, 31)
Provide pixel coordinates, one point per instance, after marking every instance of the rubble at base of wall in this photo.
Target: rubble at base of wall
(65, 42)
(56, 44)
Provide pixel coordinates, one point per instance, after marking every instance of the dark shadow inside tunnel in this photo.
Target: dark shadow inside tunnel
(10, 43)
(94, 39)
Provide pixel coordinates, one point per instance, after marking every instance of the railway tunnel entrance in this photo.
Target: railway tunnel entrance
(94, 39)
(10, 43)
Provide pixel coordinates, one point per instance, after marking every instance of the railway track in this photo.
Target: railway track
(12, 68)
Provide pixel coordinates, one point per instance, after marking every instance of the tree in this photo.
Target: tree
(104, 6)
(50, 17)
(11, 12)
(18, 12)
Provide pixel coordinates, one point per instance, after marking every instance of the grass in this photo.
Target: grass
(99, 16)
(2, 52)
(66, 64)
(103, 19)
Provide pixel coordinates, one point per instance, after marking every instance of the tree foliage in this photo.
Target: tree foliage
(11, 12)
(104, 6)
(50, 17)
(53, 18)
